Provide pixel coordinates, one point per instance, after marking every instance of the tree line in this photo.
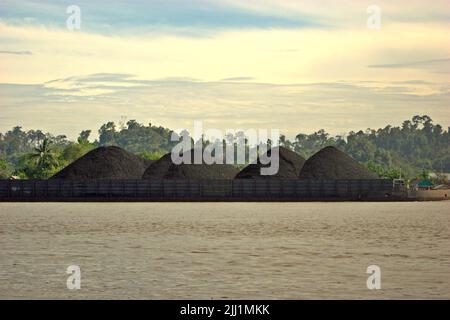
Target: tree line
(413, 149)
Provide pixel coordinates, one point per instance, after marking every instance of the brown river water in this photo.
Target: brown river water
(225, 250)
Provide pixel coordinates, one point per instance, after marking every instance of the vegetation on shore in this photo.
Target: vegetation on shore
(412, 150)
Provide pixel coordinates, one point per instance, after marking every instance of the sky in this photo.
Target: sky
(296, 66)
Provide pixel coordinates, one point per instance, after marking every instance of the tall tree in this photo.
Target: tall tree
(44, 156)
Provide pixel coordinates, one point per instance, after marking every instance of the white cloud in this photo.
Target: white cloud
(336, 107)
(276, 56)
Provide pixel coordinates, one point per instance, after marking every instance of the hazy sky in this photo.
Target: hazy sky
(294, 65)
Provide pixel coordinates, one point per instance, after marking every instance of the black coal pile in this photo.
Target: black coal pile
(290, 164)
(333, 164)
(164, 168)
(105, 163)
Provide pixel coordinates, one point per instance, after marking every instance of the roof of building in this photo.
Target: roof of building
(425, 184)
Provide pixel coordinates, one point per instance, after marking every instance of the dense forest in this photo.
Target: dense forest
(416, 148)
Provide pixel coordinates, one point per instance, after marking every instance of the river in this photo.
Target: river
(225, 250)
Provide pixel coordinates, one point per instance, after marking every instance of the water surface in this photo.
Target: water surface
(225, 250)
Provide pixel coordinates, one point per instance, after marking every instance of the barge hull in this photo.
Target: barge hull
(200, 190)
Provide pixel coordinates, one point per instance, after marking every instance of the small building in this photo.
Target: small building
(425, 190)
(424, 185)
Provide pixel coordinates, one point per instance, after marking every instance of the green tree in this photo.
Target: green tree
(74, 151)
(5, 169)
(414, 145)
(155, 155)
(44, 154)
(41, 163)
(83, 138)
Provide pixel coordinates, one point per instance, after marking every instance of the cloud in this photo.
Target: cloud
(96, 77)
(260, 54)
(437, 66)
(187, 17)
(337, 107)
(307, 61)
(238, 79)
(413, 64)
(20, 53)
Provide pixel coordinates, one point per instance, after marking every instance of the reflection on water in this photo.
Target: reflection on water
(225, 250)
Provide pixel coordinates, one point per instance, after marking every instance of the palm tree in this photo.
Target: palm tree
(44, 155)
